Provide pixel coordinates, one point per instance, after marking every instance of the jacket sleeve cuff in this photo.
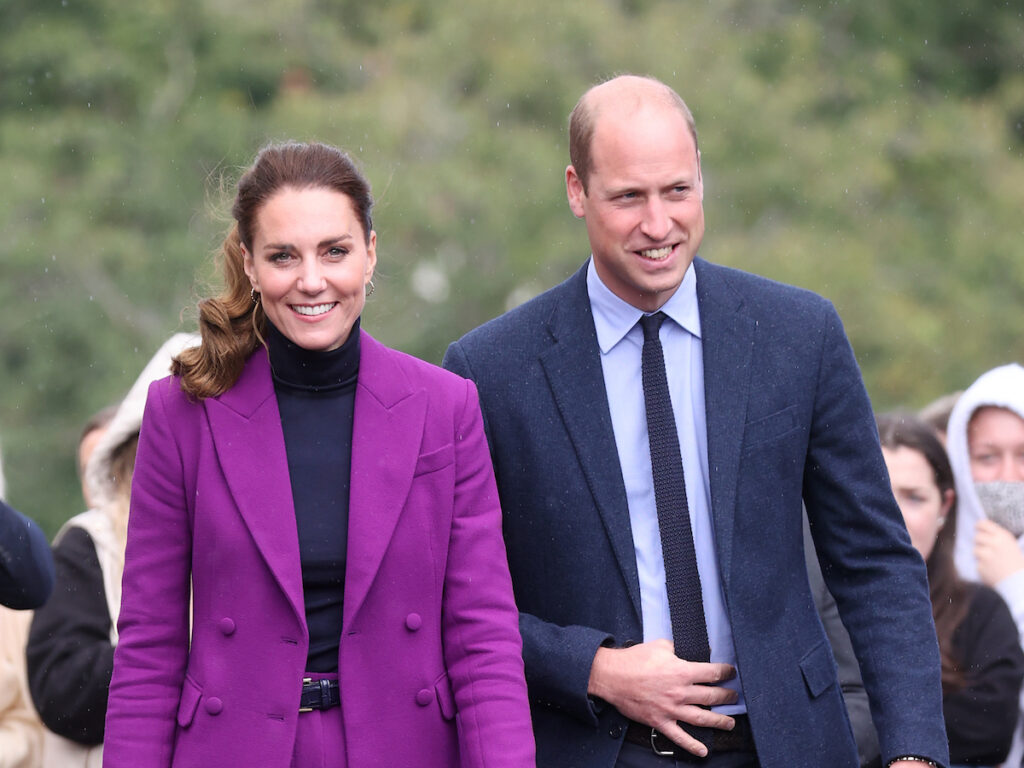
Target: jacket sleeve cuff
(558, 662)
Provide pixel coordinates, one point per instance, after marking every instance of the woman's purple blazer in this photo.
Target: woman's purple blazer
(430, 660)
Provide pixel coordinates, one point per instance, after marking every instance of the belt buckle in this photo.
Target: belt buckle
(655, 733)
(305, 681)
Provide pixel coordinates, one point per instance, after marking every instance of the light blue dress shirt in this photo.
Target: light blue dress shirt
(621, 341)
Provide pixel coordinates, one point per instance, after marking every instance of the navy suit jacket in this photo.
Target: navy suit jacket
(788, 420)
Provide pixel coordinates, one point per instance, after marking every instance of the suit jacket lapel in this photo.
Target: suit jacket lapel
(246, 428)
(728, 341)
(573, 368)
(387, 432)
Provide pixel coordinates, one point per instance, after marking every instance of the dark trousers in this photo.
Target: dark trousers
(635, 756)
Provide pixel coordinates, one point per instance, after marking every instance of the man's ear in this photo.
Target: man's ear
(575, 192)
(700, 178)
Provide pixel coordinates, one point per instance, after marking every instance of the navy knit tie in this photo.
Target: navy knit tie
(685, 601)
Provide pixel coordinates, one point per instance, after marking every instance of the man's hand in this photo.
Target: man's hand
(650, 684)
(996, 551)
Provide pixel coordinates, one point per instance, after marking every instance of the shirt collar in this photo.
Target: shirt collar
(614, 318)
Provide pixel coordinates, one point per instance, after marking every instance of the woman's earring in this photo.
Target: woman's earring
(254, 296)
(369, 287)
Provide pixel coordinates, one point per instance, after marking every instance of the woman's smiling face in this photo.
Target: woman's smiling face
(310, 262)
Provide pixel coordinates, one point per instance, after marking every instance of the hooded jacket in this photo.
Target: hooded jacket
(1002, 387)
(71, 644)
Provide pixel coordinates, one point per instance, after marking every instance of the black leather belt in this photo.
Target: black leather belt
(319, 694)
(739, 739)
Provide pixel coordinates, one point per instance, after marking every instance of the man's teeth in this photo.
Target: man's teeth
(316, 309)
(657, 253)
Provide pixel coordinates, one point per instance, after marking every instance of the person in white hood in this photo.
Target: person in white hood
(71, 644)
(985, 441)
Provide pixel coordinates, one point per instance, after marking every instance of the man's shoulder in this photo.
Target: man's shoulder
(788, 310)
(527, 322)
(757, 289)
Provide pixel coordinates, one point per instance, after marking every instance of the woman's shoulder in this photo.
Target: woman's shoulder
(987, 612)
(419, 372)
(169, 391)
(172, 415)
(983, 597)
(75, 541)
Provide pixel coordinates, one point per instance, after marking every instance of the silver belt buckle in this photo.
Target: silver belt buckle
(654, 745)
(304, 681)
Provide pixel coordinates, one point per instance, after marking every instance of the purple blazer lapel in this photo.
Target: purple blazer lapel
(247, 435)
(387, 430)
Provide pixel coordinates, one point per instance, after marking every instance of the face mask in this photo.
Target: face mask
(1004, 504)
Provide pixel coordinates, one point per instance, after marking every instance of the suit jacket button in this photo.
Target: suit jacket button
(413, 622)
(227, 626)
(615, 731)
(213, 705)
(424, 697)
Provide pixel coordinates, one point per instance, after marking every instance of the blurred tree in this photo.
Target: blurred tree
(872, 153)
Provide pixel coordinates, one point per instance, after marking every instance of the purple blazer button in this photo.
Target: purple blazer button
(424, 697)
(227, 626)
(413, 622)
(213, 705)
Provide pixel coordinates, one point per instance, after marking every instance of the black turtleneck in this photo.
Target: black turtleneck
(316, 396)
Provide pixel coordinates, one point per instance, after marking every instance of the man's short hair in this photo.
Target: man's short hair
(582, 120)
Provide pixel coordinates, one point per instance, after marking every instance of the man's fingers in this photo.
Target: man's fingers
(709, 672)
(705, 718)
(683, 739)
(709, 695)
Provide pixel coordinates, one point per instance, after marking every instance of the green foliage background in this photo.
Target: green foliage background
(871, 152)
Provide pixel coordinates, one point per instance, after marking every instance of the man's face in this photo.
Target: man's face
(644, 203)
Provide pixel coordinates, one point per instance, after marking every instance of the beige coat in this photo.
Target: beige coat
(21, 732)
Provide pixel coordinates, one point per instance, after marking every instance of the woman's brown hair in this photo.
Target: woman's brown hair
(949, 593)
(232, 323)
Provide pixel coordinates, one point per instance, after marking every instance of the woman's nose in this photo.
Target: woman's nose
(311, 278)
